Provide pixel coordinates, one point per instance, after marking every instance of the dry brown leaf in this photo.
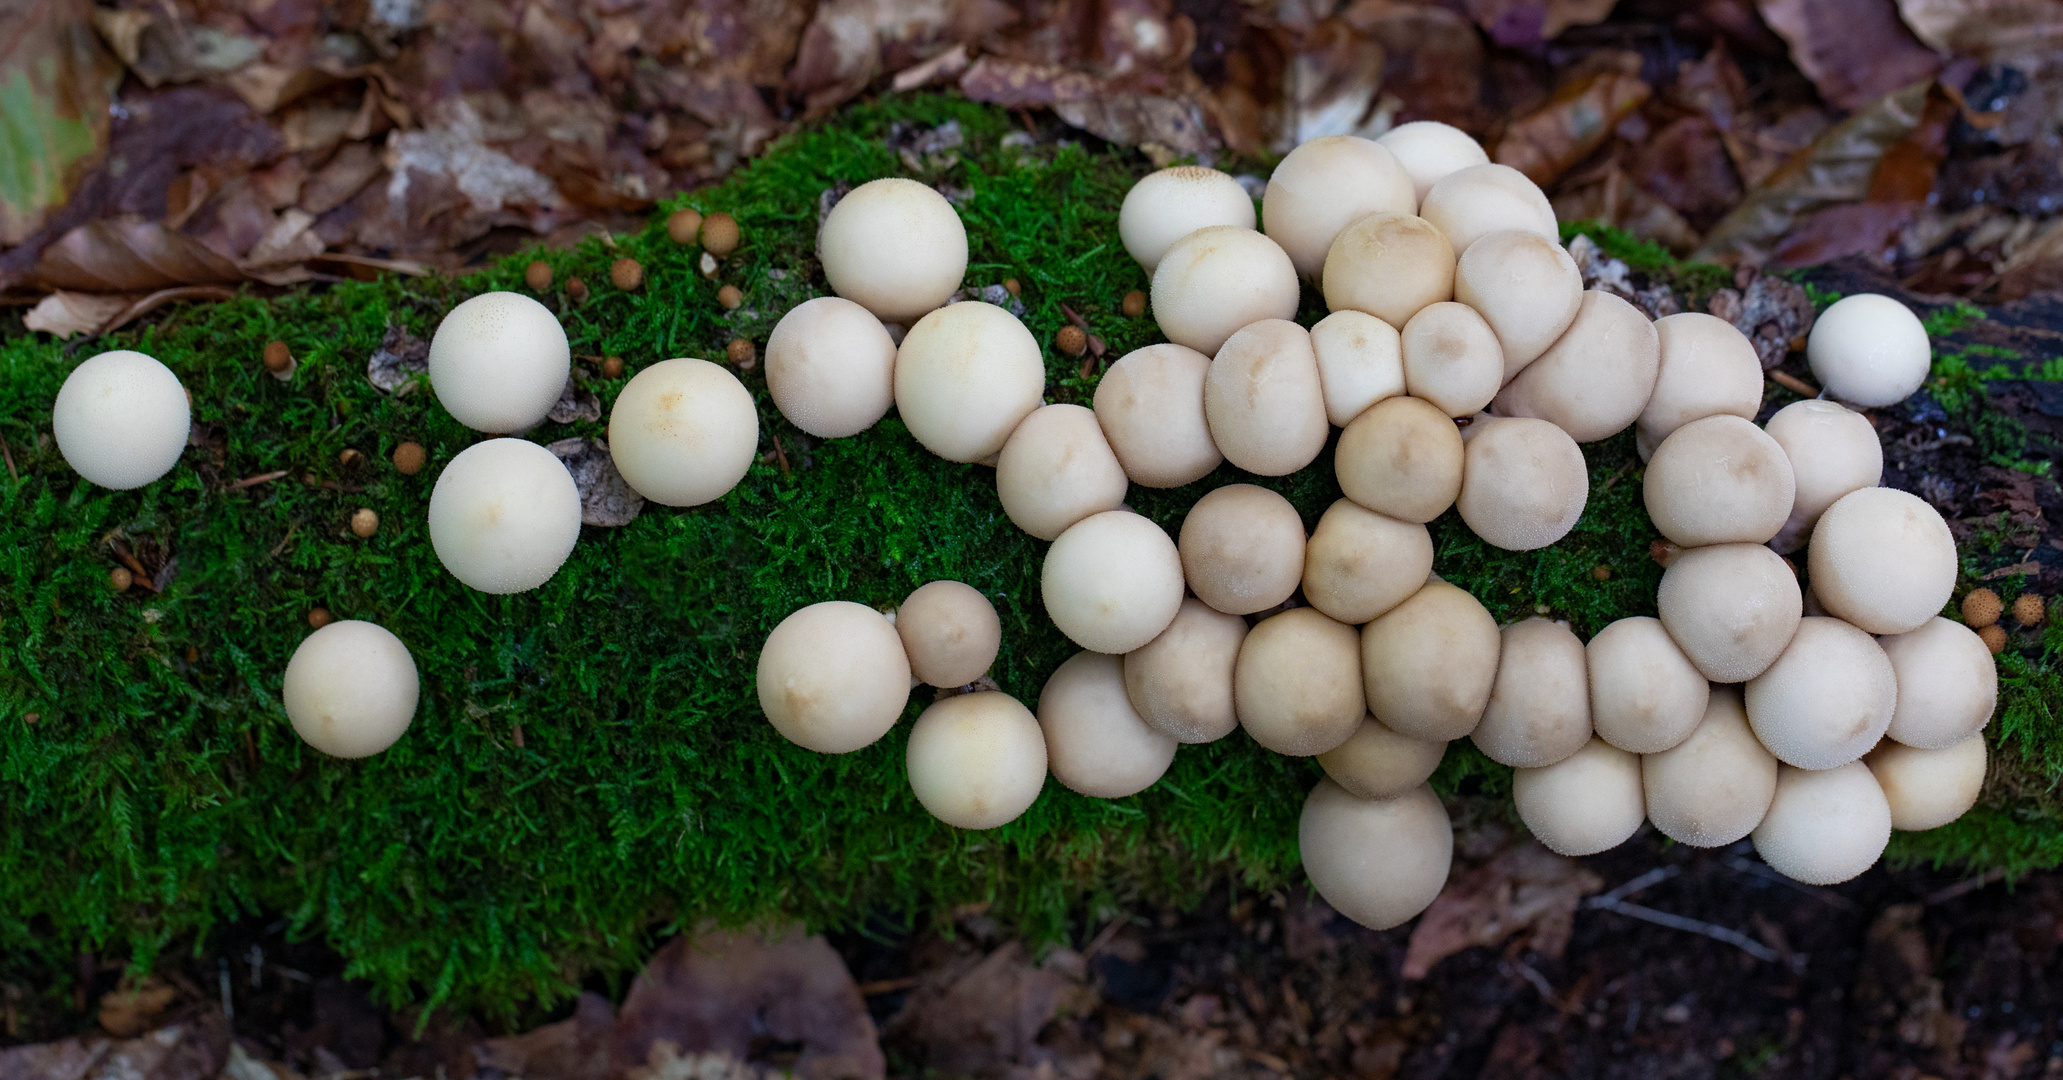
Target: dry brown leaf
(194, 1046)
(1575, 122)
(1526, 888)
(1518, 24)
(1993, 31)
(130, 1009)
(1432, 59)
(1854, 51)
(130, 255)
(1334, 83)
(67, 313)
(2036, 267)
(984, 1019)
(576, 1048)
(55, 123)
(606, 499)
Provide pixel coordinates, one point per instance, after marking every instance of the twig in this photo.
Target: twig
(1075, 318)
(1762, 870)
(1794, 384)
(1653, 877)
(1539, 982)
(1734, 938)
(886, 986)
(9, 455)
(141, 576)
(254, 481)
(283, 542)
(1964, 888)
(781, 455)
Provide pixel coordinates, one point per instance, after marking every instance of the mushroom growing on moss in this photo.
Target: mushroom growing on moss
(1180, 683)
(892, 246)
(499, 361)
(1706, 368)
(350, 689)
(1596, 378)
(1218, 279)
(1539, 707)
(1242, 549)
(1927, 789)
(1824, 826)
(1468, 204)
(830, 367)
(1427, 665)
(1525, 286)
(1297, 683)
(1828, 697)
(1645, 694)
(833, 677)
(1832, 452)
(1166, 206)
(1452, 358)
(1389, 265)
(1360, 362)
(1731, 608)
(949, 631)
(1377, 763)
(1150, 404)
(1524, 482)
(1948, 684)
(965, 376)
(1326, 184)
(504, 515)
(1719, 480)
(1430, 151)
(121, 419)
(1401, 457)
(1359, 564)
(1057, 469)
(1588, 802)
(1714, 787)
(1379, 862)
(977, 761)
(683, 432)
(1263, 400)
(1869, 349)
(1882, 559)
(1112, 582)
(1096, 744)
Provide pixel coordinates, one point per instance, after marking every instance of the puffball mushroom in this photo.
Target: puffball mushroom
(1242, 549)
(1218, 279)
(1379, 862)
(1882, 559)
(830, 367)
(1719, 480)
(1166, 206)
(1596, 378)
(1427, 665)
(1359, 564)
(1401, 457)
(1927, 789)
(1869, 349)
(1263, 400)
(1731, 608)
(1948, 684)
(1469, 204)
(1430, 151)
(1827, 699)
(504, 515)
(1523, 482)
(1180, 683)
(1297, 683)
(978, 760)
(1096, 744)
(965, 375)
(499, 362)
(949, 631)
(1452, 358)
(1588, 802)
(1389, 265)
(1150, 404)
(1714, 787)
(1706, 368)
(1112, 582)
(1360, 362)
(350, 689)
(1645, 695)
(121, 419)
(1377, 763)
(1057, 469)
(1525, 286)
(683, 432)
(1832, 451)
(894, 247)
(1825, 825)
(1539, 707)
(1326, 184)
(833, 677)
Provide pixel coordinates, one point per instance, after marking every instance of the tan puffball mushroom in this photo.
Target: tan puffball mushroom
(504, 516)
(350, 689)
(1379, 862)
(1927, 789)
(1377, 763)
(1263, 400)
(1588, 802)
(1297, 683)
(1596, 378)
(1451, 358)
(1242, 549)
(1525, 286)
(1869, 349)
(1645, 694)
(1539, 707)
(1706, 368)
(1523, 483)
(949, 631)
(1731, 608)
(1359, 564)
(1096, 744)
(830, 367)
(1948, 684)
(1166, 206)
(1427, 665)
(1218, 279)
(1714, 787)
(1827, 699)
(719, 234)
(1469, 204)
(683, 432)
(121, 419)
(1389, 265)
(1832, 451)
(892, 246)
(2029, 610)
(1401, 457)
(1180, 683)
(1056, 470)
(1150, 404)
(499, 362)
(1824, 826)
(1326, 184)
(965, 375)
(1719, 480)
(1430, 151)
(833, 677)
(1882, 559)
(1360, 362)
(977, 761)
(1981, 608)
(1112, 582)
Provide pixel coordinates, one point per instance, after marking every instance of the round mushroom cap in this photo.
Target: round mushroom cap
(1242, 549)
(894, 247)
(965, 375)
(1360, 362)
(1401, 457)
(1869, 349)
(1180, 683)
(504, 515)
(1948, 684)
(1297, 683)
(1539, 708)
(1379, 862)
(1929, 788)
(1166, 206)
(1427, 665)
(1469, 204)
(121, 419)
(1150, 404)
(1359, 564)
(350, 689)
(1523, 483)
(1825, 825)
(1389, 265)
(1056, 470)
(1719, 480)
(1095, 743)
(1377, 763)
(1882, 559)
(1263, 400)
(977, 761)
(683, 432)
(1588, 802)
(950, 632)
(1430, 150)
(1596, 378)
(499, 362)
(1828, 697)
(833, 677)
(1832, 452)
(1525, 286)
(830, 367)
(1451, 358)
(1326, 184)
(1218, 279)
(1731, 608)
(1645, 694)
(1707, 368)
(1712, 788)
(1112, 582)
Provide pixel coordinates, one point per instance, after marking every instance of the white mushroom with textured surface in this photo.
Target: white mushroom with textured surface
(1057, 469)
(965, 375)
(1263, 400)
(1596, 378)
(683, 432)
(1389, 265)
(1216, 280)
(1150, 404)
(1326, 184)
(894, 247)
(1430, 151)
(1825, 825)
(504, 515)
(1539, 707)
(1096, 744)
(1927, 789)
(1112, 582)
(1166, 206)
(833, 677)
(1645, 694)
(1714, 787)
(1833, 451)
(1869, 349)
(1588, 802)
(1377, 763)
(1948, 684)
(1242, 549)
(1297, 683)
(121, 419)
(949, 631)
(1719, 480)
(499, 362)
(1731, 608)
(1469, 204)
(1451, 358)
(1706, 368)
(1827, 699)
(1180, 683)
(1882, 559)
(1359, 564)
(1525, 286)
(977, 761)
(350, 689)
(1427, 665)
(830, 367)
(1401, 457)
(1524, 482)
(1360, 362)
(1379, 862)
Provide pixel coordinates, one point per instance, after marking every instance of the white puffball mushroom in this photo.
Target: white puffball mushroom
(1096, 744)
(1869, 349)
(1596, 378)
(1539, 707)
(1112, 582)
(499, 362)
(1379, 862)
(1360, 362)
(1057, 469)
(1524, 482)
(1263, 400)
(683, 432)
(1452, 358)
(1430, 151)
(1731, 608)
(1166, 206)
(1388, 265)
(1359, 564)
(833, 677)
(1707, 368)
(1469, 204)
(965, 375)
(1326, 184)
(1827, 699)
(949, 631)
(1719, 480)
(1882, 559)
(1714, 787)
(121, 419)
(1218, 279)
(504, 516)
(1927, 789)
(1948, 684)
(1242, 549)
(1427, 665)
(1180, 683)
(1401, 457)
(1645, 694)
(1377, 763)
(830, 367)
(1525, 286)
(351, 689)
(894, 247)
(1297, 683)
(1150, 404)
(1825, 825)
(977, 761)
(1833, 451)
(1588, 802)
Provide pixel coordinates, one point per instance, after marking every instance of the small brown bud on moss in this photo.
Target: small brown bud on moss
(720, 234)
(1601, 572)
(683, 224)
(730, 297)
(119, 579)
(1981, 608)
(320, 617)
(742, 354)
(612, 367)
(409, 458)
(538, 275)
(1664, 553)
(1011, 286)
(349, 457)
(1071, 340)
(1994, 638)
(2028, 609)
(626, 274)
(278, 357)
(576, 290)
(364, 523)
(1135, 304)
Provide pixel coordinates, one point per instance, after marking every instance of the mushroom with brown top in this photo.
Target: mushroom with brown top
(1112, 582)
(1389, 265)
(1882, 559)
(830, 367)
(1242, 549)
(1056, 470)
(1828, 697)
(1948, 684)
(1377, 763)
(1706, 368)
(1430, 151)
(1360, 362)
(1326, 184)
(1731, 608)
(965, 375)
(1469, 204)
(1180, 683)
(1263, 400)
(1714, 787)
(1452, 358)
(1401, 457)
(892, 246)
(833, 677)
(1297, 683)
(1525, 286)
(1150, 404)
(1824, 826)
(949, 631)
(1096, 744)
(1832, 452)
(1166, 206)
(1523, 484)
(1645, 695)
(1359, 564)
(1596, 378)
(1539, 708)
(1379, 862)
(1719, 480)
(1927, 789)
(1218, 279)
(1588, 802)
(1427, 665)
(977, 761)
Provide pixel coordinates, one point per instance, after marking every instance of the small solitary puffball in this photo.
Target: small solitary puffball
(1452, 358)
(1377, 763)
(1401, 457)
(1714, 787)
(683, 432)
(1869, 349)
(1539, 708)
(1731, 608)
(1524, 482)
(978, 760)
(1596, 378)
(1929, 788)
(504, 515)
(1263, 400)
(1469, 204)
(965, 375)
(1218, 279)
(894, 247)
(1379, 862)
(1150, 404)
(121, 419)
(1427, 665)
(949, 631)
(1112, 582)
(1430, 151)
(1948, 684)
(1388, 265)
(1707, 368)
(1242, 549)
(1825, 825)
(1057, 469)
(1359, 564)
(1645, 694)
(1588, 802)
(830, 367)
(1827, 699)
(1525, 286)
(833, 677)
(1096, 744)
(1166, 206)
(1323, 186)
(1180, 683)
(499, 362)
(1297, 683)
(1832, 451)
(1719, 480)
(1882, 559)
(350, 689)
(1360, 362)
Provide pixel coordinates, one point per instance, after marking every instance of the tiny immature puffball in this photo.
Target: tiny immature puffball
(1401, 457)
(1719, 480)
(892, 246)
(1731, 608)
(1056, 470)
(1379, 862)
(1827, 699)
(1360, 362)
(1427, 665)
(1359, 564)
(1180, 683)
(1714, 787)
(1981, 608)
(1869, 349)
(1389, 265)
(121, 419)
(499, 361)
(1927, 789)
(1218, 279)
(833, 677)
(1707, 368)
(1948, 684)
(1377, 763)
(830, 367)
(1539, 708)
(1882, 559)
(1832, 451)
(350, 689)
(1525, 286)
(1150, 404)
(1095, 743)
(2028, 609)
(683, 432)
(1596, 378)
(1326, 184)
(1452, 358)
(1166, 206)
(1469, 204)
(1242, 549)
(1588, 802)
(504, 515)
(1524, 482)
(1297, 683)
(977, 761)
(1825, 825)
(1430, 151)
(719, 234)
(1645, 695)
(1112, 582)
(949, 631)
(1263, 400)
(965, 376)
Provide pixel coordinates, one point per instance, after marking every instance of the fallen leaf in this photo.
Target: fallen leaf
(400, 357)
(1141, 120)
(130, 255)
(1575, 122)
(1519, 24)
(984, 1019)
(848, 42)
(130, 1008)
(1526, 888)
(576, 1048)
(1994, 31)
(1774, 313)
(56, 83)
(1897, 192)
(606, 499)
(194, 1046)
(1854, 51)
(2037, 266)
(1432, 59)
(67, 313)
(1688, 166)
(1335, 81)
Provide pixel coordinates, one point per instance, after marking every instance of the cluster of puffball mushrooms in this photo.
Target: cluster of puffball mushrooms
(1463, 360)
